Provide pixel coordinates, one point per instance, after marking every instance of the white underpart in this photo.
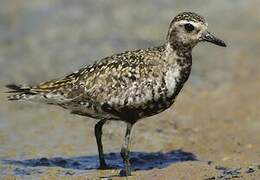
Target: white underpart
(172, 75)
(171, 79)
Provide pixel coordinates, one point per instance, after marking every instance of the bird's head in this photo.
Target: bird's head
(187, 29)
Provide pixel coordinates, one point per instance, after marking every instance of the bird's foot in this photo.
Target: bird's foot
(124, 173)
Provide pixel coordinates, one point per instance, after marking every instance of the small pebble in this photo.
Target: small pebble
(250, 170)
(249, 146)
(225, 158)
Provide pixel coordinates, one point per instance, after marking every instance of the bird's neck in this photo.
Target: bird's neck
(181, 47)
(178, 55)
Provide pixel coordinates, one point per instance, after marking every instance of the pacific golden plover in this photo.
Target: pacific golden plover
(127, 86)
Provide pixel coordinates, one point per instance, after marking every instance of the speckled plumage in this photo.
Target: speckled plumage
(127, 86)
(189, 16)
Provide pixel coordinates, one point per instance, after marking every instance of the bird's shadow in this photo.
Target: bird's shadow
(139, 161)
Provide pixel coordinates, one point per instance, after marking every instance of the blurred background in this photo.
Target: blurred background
(216, 117)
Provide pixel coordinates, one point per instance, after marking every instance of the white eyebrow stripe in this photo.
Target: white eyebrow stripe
(190, 22)
(195, 24)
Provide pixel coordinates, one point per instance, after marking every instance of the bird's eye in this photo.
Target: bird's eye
(189, 27)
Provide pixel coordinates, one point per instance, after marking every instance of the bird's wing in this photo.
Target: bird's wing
(127, 79)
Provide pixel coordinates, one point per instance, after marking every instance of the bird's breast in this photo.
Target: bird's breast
(172, 78)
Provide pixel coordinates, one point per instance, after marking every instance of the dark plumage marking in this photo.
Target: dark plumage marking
(18, 89)
(153, 95)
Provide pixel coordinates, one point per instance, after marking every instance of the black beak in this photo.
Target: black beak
(207, 36)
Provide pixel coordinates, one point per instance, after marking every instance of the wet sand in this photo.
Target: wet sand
(212, 132)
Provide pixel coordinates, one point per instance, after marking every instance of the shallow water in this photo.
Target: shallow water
(139, 161)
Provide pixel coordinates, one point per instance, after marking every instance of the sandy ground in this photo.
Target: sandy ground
(212, 132)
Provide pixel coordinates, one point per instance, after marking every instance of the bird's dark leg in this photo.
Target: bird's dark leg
(125, 151)
(98, 134)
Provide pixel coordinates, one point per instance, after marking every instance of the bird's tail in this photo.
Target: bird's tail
(44, 92)
(19, 92)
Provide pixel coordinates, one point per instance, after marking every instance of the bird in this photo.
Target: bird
(127, 86)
